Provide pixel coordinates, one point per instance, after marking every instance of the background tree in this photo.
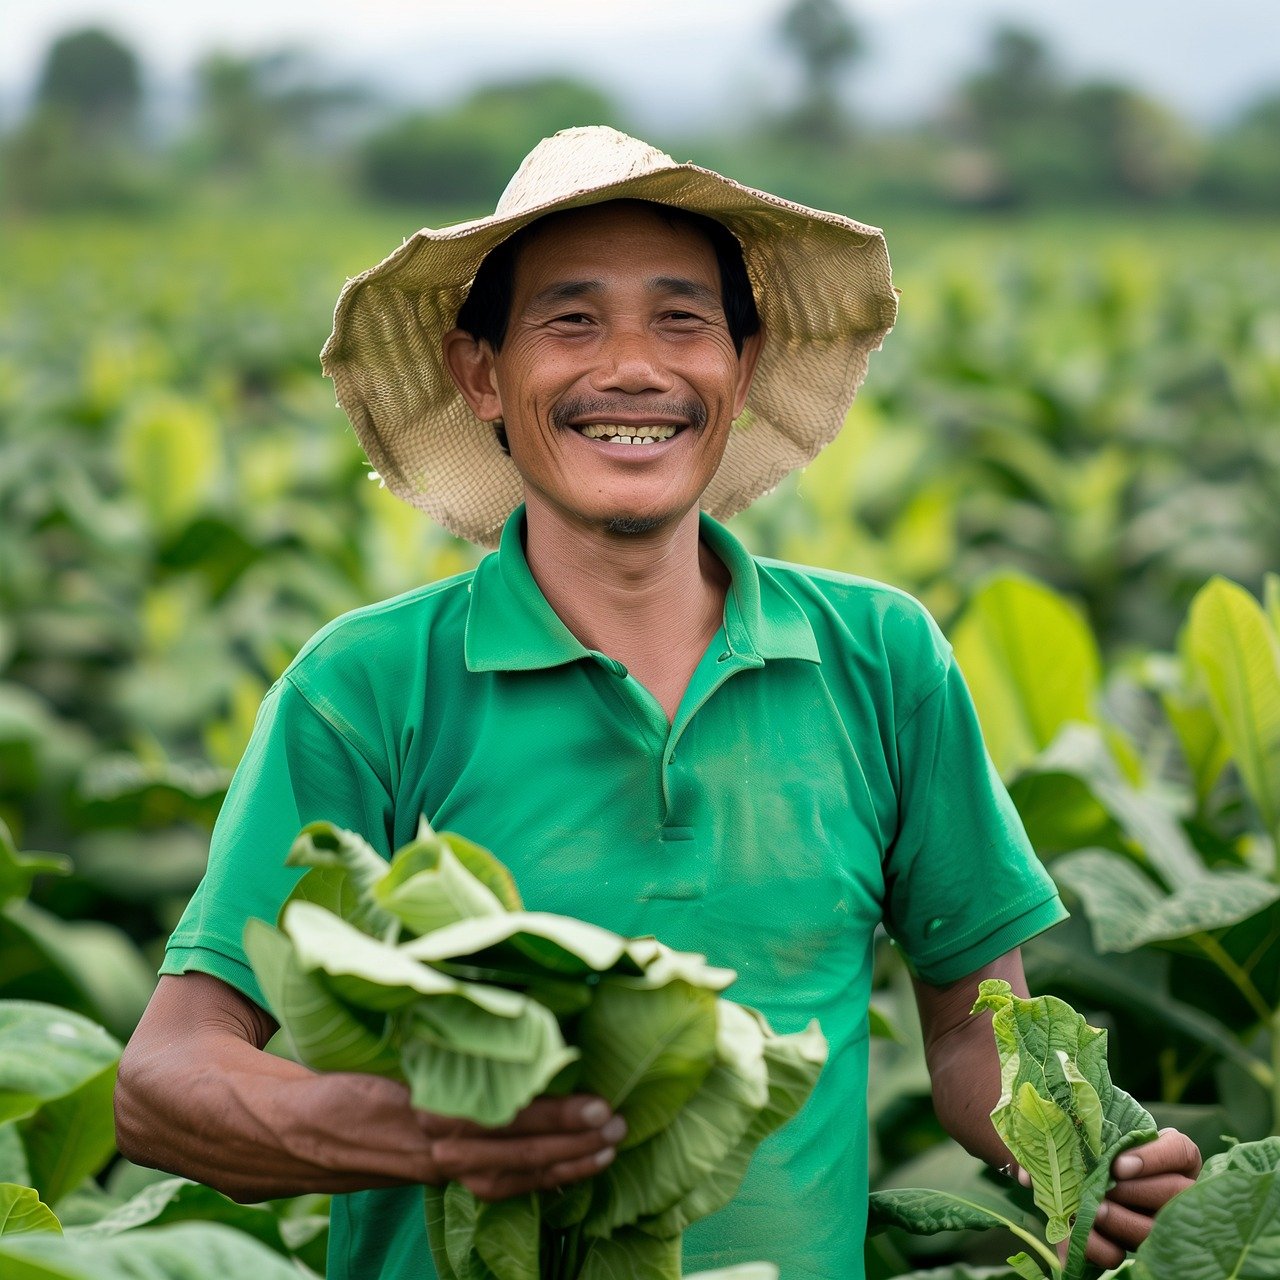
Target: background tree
(94, 78)
(827, 42)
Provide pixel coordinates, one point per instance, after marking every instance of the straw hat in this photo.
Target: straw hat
(821, 284)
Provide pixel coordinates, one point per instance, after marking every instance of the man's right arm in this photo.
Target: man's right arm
(198, 1096)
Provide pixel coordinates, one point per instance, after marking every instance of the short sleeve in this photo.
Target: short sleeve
(298, 768)
(963, 885)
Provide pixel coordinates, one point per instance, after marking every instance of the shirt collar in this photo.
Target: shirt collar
(511, 627)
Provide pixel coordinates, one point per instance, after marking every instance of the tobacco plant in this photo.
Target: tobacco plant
(427, 969)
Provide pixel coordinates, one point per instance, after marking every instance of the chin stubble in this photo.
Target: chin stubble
(631, 526)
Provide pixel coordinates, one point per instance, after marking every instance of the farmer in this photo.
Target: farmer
(656, 731)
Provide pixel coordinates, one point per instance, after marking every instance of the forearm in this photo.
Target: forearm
(965, 1071)
(214, 1107)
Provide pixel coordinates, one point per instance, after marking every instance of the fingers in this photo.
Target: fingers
(1121, 1226)
(578, 1113)
(495, 1167)
(1148, 1194)
(1171, 1152)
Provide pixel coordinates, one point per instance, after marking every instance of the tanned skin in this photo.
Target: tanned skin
(615, 319)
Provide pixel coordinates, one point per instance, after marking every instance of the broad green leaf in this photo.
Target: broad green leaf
(1226, 1225)
(1003, 642)
(321, 844)
(1026, 1267)
(647, 1051)
(1043, 1138)
(87, 965)
(370, 974)
(793, 1063)
(433, 1200)
(1204, 748)
(47, 1054)
(17, 870)
(1259, 1157)
(1237, 655)
(629, 1255)
(924, 1212)
(186, 1251)
(1032, 1038)
(507, 1237)
(434, 897)
(557, 944)
(22, 1210)
(169, 457)
(325, 1034)
(1145, 819)
(662, 965)
(460, 1208)
(423, 854)
(478, 1085)
(649, 1179)
(174, 1200)
(1127, 910)
(72, 1137)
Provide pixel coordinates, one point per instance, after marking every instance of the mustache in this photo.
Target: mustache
(602, 408)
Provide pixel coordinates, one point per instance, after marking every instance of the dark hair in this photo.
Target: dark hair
(487, 309)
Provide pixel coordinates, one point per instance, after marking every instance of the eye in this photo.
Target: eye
(572, 318)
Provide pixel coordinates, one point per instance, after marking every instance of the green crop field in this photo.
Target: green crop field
(1070, 441)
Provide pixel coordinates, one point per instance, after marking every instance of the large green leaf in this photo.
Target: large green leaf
(647, 1051)
(1047, 1048)
(72, 1137)
(173, 1200)
(325, 1033)
(323, 845)
(187, 1251)
(486, 1072)
(1127, 910)
(48, 1054)
(793, 1063)
(1031, 664)
(483, 879)
(370, 974)
(629, 1255)
(507, 1237)
(650, 1178)
(925, 1212)
(744, 1271)
(1226, 1225)
(559, 945)
(1237, 656)
(22, 1210)
(87, 965)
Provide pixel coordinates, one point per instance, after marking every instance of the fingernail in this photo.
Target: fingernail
(1127, 1166)
(615, 1130)
(1024, 1177)
(1104, 1211)
(595, 1112)
(604, 1157)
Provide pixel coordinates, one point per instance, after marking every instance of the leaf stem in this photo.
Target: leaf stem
(1235, 974)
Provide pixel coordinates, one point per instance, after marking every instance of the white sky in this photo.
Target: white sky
(675, 61)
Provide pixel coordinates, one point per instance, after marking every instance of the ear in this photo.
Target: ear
(470, 364)
(747, 361)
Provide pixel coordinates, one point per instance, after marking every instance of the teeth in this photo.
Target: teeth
(616, 433)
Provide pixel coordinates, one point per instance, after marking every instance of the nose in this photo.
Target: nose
(630, 360)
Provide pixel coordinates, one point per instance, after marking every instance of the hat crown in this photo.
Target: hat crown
(576, 160)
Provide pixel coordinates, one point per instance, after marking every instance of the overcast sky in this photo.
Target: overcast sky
(672, 61)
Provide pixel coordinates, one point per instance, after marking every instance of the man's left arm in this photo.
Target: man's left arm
(964, 1069)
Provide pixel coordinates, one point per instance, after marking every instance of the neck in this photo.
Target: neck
(652, 601)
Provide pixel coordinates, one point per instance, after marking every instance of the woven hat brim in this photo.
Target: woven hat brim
(823, 288)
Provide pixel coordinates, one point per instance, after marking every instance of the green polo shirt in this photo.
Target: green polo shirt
(824, 774)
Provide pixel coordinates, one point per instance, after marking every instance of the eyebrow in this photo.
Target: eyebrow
(676, 286)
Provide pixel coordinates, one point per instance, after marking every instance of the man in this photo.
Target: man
(655, 731)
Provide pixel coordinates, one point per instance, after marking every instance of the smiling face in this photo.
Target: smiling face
(618, 379)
